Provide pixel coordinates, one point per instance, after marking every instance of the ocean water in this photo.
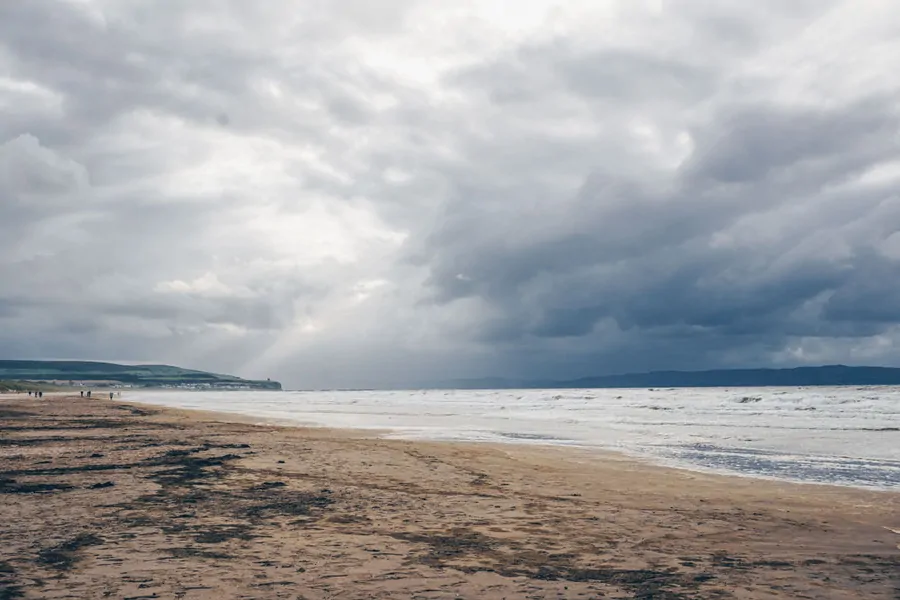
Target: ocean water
(841, 435)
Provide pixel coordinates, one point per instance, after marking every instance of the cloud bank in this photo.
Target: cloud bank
(376, 194)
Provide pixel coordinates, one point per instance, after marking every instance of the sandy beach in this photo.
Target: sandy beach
(103, 499)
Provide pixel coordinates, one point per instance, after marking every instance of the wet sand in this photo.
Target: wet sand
(102, 499)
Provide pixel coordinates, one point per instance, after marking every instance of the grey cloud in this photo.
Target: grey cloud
(258, 314)
(640, 249)
(753, 144)
(620, 76)
(257, 188)
(609, 76)
(150, 60)
(870, 297)
(32, 174)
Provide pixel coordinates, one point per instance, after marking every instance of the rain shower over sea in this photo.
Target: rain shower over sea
(835, 435)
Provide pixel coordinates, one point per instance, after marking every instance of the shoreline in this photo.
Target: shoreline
(601, 451)
(126, 499)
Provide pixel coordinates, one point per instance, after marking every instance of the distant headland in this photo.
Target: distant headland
(21, 374)
(829, 375)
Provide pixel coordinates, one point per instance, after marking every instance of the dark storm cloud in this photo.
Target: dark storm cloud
(758, 144)
(381, 193)
(646, 257)
(647, 251)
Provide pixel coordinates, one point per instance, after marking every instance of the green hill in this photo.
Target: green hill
(65, 372)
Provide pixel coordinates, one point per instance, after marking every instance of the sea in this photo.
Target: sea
(822, 435)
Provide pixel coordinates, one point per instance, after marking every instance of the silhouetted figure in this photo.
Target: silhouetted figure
(29, 392)
(89, 394)
(110, 395)
(41, 394)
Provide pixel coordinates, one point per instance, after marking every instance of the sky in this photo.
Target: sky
(350, 193)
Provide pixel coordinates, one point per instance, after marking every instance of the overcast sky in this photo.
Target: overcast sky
(361, 193)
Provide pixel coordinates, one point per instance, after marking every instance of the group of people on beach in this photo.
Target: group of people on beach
(88, 394)
(40, 394)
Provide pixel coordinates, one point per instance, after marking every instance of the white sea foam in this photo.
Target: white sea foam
(843, 435)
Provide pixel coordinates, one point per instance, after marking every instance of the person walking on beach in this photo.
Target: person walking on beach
(110, 395)
(82, 393)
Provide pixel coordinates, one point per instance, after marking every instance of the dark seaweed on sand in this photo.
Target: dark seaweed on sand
(63, 556)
